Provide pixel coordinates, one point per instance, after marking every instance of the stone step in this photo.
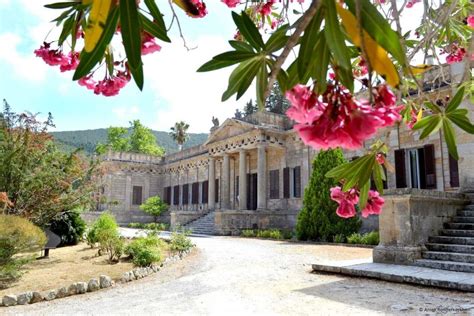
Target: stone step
(463, 219)
(448, 256)
(446, 265)
(452, 240)
(457, 232)
(465, 213)
(450, 248)
(464, 226)
(469, 207)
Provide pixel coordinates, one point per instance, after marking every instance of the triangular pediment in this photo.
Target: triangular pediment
(230, 128)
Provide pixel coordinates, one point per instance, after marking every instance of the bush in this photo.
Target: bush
(144, 250)
(156, 226)
(339, 238)
(136, 225)
(180, 242)
(247, 233)
(154, 206)
(106, 221)
(371, 238)
(318, 219)
(270, 233)
(70, 227)
(267, 233)
(104, 231)
(17, 235)
(355, 238)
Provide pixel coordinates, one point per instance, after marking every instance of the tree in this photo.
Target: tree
(238, 114)
(154, 206)
(250, 108)
(276, 102)
(137, 139)
(317, 219)
(40, 181)
(179, 132)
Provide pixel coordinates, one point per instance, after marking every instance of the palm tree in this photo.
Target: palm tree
(179, 133)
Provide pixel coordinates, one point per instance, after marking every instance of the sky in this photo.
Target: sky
(173, 90)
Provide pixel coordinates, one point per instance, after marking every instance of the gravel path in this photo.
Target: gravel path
(234, 276)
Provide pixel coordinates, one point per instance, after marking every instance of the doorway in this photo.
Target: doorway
(252, 187)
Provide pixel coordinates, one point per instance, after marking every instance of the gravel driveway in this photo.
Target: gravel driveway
(234, 276)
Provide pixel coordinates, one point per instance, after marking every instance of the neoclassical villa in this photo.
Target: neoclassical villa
(251, 172)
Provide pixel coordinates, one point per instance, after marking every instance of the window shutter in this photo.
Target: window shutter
(185, 194)
(453, 172)
(286, 183)
(430, 167)
(176, 195)
(137, 195)
(274, 184)
(297, 182)
(195, 193)
(205, 192)
(400, 170)
(217, 190)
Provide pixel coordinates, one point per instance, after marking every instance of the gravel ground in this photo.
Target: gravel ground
(234, 276)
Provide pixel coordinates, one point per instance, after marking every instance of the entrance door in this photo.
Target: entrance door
(252, 191)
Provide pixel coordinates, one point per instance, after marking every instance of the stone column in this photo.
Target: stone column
(212, 184)
(261, 178)
(242, 179)
(128, 193)
(226, 182)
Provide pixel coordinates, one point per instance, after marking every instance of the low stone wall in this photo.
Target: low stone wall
(126, 217)
(180, 218)
(231, 222)
(408, 218)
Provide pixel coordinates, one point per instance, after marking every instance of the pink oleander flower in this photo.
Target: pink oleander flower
(231, 3)
(361, 69)
(266, 8)
(336, 119)
(109, 86)
(346, 200)
(72, 61)
(87, 82)
(413, 120)
(380, 158)
(470, 21)
(52, 57)
(374, 204)
(201, 9)
(411, 3)
(456, 55)
(149, 45)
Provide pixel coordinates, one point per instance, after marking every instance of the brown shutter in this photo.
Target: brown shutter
(453, 172)
(195, 193)
(167, 195)
(176, 195)
(274, 184)
(137, 195)
(297, 182)
(217, 190)
(205, 192)
(286, 183)
(185, 194)
(400, 170)
(430, 166)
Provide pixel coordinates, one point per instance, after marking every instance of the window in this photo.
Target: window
(176, 195)
(217, 190)
(205, 192)
(195, 193)
(137, 195)
(274, 184)
(286, 183)
(416, 167)
(167, 195)
(297, 182)
(185, 194)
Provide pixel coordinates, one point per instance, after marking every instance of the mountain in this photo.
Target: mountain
(88, 140)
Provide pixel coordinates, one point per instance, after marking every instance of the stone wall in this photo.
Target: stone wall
(125, 217)
(180, 218)
(408, 218)
(230, 222)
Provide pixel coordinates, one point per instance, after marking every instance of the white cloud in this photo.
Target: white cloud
(184, 94)
(123, 112)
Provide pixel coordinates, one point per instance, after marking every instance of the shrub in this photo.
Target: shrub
(156, 226)
(104, 231)
(154, 206)
(355, 238)
(339, 238)
(106, 221)
(180, 242)
(371, 238)
(144, 250)
(318, 219)
(69, 226)
(247, 233)
(267, 233)
(270, 233)
(17, 235)
(136, 225)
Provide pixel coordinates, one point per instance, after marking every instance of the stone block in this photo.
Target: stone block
(9, 300)
(105, 281)
(93, 285)
(36, 297)
(81, 287)
(62, 292)
(24, 298)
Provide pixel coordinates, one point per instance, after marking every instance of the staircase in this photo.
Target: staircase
(454, 248)
(203, 225)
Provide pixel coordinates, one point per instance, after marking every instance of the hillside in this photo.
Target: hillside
(88, 139)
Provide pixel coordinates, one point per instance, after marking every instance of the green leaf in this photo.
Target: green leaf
(346, 77)
(455, 101)
(449, 136)
(62, 5)
(66, 31)
(433, 107)
(242, 76)
(241, 46)
(277, 40)
(378, 28)
(282, 78)
(156, 14)
(334, 36)
(432, 126)
(309, 41)
(235, 55)
(132, 40)
(321, 66)
(216, 64)
(461, 120)
(364, 194)
(89, 60)
(248, 30)
(262, 81)
(63, 15)
(379, 175)
(154, 29)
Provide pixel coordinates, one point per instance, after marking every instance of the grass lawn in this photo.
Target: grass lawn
(67, 265)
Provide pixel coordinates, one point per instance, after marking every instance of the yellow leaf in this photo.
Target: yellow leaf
(419, 69)
(87, 2)
(188, 6)
(419, 115)
(376, 55)
(95, 24)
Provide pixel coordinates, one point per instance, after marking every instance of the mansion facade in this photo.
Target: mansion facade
(251, 172)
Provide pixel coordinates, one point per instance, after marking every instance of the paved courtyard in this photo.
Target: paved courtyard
(235, 276)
